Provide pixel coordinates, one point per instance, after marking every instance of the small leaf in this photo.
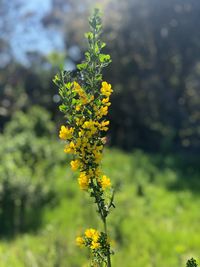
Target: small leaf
(82, 66)
(104, 58)
(63, 108)
(89, 35)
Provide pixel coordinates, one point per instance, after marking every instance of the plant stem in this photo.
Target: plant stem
(108, 256)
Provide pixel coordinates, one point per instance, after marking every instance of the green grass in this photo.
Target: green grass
(155, 223)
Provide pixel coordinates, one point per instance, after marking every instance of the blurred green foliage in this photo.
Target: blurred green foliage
(27, 165)
(156, 222)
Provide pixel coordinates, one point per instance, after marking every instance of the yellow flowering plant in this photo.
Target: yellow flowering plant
(85, 103)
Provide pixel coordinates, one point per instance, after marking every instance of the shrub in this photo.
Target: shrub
(191, 263)
(26, 169)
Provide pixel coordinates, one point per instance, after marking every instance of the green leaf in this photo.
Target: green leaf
(96, 49)
(82, 66)
(104, 58)
(87, 55)
(63, 108)
(74, 101)
(89, 35)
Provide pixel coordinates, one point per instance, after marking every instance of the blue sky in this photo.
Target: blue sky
(23, 30)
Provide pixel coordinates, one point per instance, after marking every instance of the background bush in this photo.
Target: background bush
(27, 168)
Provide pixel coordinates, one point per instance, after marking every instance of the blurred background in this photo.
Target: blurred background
(153, 153)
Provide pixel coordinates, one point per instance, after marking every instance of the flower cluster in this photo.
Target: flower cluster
(96, 241)
(84, 136)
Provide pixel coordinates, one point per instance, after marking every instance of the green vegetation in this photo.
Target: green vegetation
(157, 218)
(27, 166)
(191, 263)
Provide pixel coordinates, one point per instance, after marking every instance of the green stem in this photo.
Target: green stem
(103, 218)
(106, 232)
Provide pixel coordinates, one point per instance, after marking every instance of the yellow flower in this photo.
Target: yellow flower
(104, 110)
(106, 89)
(70, 148)
(90, 125)
(90, 232)
(77, 88)
(83, 96)
(93, 234)
(103, 125)
(74, 164)
(83, 181)
(78, 107)
(105, 182)
(105, 101)
(66, 133)
(80, 241)
(94, 245)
